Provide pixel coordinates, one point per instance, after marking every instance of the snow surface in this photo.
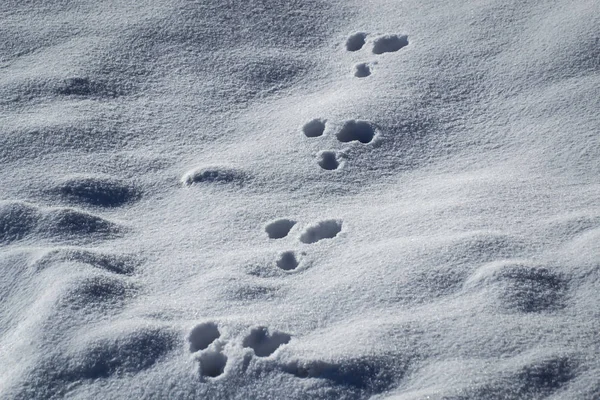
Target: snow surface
(300, 199)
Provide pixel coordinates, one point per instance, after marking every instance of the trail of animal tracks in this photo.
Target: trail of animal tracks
(299, 199)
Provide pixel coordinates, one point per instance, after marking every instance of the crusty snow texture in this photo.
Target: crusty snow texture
(299, 199)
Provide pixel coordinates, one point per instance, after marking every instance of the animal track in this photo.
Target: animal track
(280, 228)
(212, 363)
(389, 43)
(213, 174)
(105, 192)
(202, 335)
(362, 70)
(314, 128)
(358, 130)
(287, 261)
(328, 160)
(351, 130)
(263, 343)
(327, 229)
(356, 41)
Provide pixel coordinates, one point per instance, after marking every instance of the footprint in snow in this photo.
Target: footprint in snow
(207, 350)
(280, 228)
(327, 229)
(362, 70)
(351, 131)
(328, 160)
(314, 128)
(212, 363)
(382, 44)
(356, 130)
(202, 335)
(265, 343)
(356, 41)
(287, 261)
(389, 43)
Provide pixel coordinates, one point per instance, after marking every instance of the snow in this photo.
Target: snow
(299, 199)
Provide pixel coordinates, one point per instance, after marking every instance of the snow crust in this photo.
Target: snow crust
(299, 199)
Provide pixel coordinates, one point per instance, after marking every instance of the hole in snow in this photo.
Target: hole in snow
(352, 130)
(389, 44)
(328, 160)
(279, 229)
(203, 335)
(356, 41)
(287, 261)
(327, 229)
(263, 343)
(362, 70)
(314, 128)
(212, 363)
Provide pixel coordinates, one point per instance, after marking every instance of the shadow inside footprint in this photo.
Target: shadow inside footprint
(212, 363)
(389, 44)
(203, 335)
(362, 70)
(356, 41)
(280, 228)
(327, 229)
(287, 261)
(263, 343)
(314, 128)
(328, 160)
(352, 130)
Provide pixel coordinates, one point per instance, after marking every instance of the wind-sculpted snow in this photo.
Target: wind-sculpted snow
(299, 199)
(97, 191)
(20, 220)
